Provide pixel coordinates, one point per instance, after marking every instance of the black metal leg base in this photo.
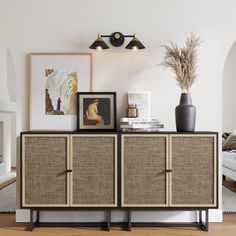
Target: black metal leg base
(129, 220)
(107, 224)
(108, 220)
(30, 227)
(31, 224)
(204, 225)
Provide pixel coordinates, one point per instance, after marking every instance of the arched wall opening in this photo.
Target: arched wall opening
(229, 91)
(229, 125)
(7, 114)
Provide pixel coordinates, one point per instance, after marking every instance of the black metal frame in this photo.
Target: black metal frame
(31, 225)
(124, 35)
(128, 225)
(117, 42)
(203, 225)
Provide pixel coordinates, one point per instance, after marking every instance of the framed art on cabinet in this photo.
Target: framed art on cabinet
(96, 111)
(55, 79)
(142, 100)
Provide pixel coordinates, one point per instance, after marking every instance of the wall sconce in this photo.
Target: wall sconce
(117, 39)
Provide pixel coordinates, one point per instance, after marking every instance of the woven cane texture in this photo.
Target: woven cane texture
(193, 170)
(144, 170)
(94, 170)
(45, 170)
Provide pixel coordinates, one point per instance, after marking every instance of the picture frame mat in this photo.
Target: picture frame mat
(111, 110)
(38, 63)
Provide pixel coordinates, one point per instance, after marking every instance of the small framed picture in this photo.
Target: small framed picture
(96, 111)
(142, 100)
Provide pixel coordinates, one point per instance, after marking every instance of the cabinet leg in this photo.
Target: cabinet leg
(108, 220)
(204, 225)
(31, 223)
(207, 220)
(129, 220)
(200, 216)
(38, 215)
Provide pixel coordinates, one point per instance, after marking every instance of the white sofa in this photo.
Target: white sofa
(229, 164)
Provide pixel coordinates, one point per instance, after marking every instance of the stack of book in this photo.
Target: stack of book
(140, 124)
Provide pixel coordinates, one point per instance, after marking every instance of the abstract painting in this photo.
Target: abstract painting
(60, 92)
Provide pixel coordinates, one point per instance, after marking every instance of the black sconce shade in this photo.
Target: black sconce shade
(99, 43)
(135, 43)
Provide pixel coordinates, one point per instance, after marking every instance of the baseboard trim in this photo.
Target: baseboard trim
(216, 215)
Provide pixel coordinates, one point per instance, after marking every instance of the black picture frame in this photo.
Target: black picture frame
(107, 101)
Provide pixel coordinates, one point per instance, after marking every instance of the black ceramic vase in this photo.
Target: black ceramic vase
(185, 114)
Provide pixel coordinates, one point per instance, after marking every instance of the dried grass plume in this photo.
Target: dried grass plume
(183, 61)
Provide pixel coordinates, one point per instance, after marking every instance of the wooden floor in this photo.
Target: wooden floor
(8, 227)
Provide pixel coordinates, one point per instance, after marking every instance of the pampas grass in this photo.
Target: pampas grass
(183, 61)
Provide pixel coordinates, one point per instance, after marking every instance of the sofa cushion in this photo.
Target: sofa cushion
(230, 142)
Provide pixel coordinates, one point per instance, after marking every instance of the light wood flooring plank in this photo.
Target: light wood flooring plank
(8, 227)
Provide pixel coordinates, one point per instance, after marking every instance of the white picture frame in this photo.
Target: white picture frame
(55, 79)
(142, 100)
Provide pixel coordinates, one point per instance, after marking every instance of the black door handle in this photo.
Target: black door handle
(168, 171)
(68, 171)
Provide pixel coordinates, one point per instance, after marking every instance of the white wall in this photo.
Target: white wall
(1, 142)
(7, 79)
(71, 26)
(5, 167)
(7, 109)
(3, 73)
(229, 92)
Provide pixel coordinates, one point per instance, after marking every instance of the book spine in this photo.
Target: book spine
(140, 130)
(139, 122)
(125, 119)
(142, 126)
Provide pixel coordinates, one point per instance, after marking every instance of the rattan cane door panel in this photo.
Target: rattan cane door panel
(94, 159)
(44, 165)
(143, 170)
(193, 160)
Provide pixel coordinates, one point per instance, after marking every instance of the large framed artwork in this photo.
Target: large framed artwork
(96, 111)
(55, 79)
